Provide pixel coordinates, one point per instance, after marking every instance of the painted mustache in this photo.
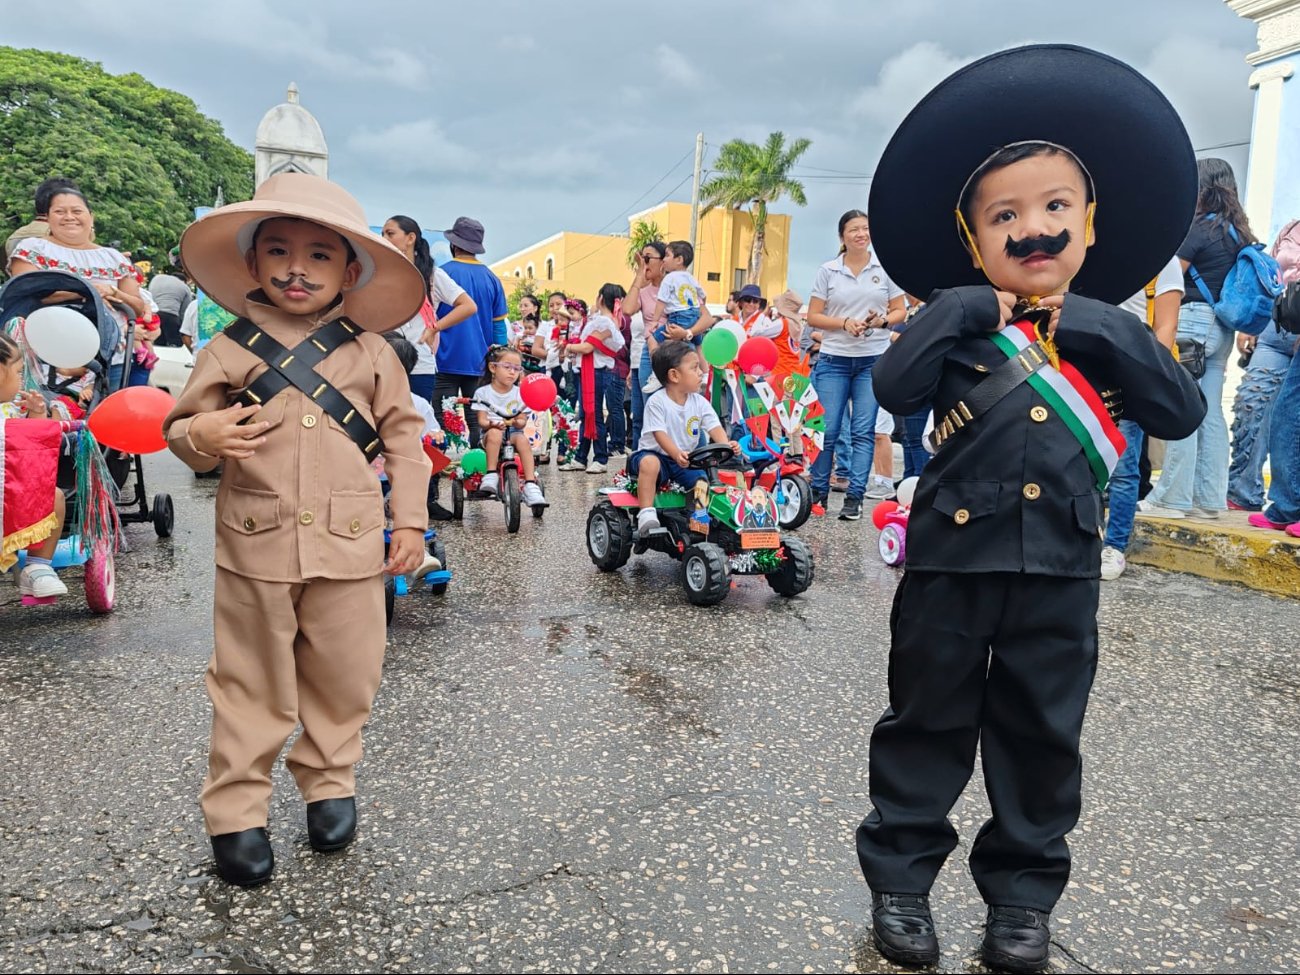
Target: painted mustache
(1028, 246)
(298, 280)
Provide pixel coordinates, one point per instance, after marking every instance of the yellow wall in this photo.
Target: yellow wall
(585, 262)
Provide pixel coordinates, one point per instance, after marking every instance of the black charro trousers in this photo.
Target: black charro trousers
(1005, 661)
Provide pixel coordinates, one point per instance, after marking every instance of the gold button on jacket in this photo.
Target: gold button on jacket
(309, 420)
(250, 523)
(305, 517)
(1038, 414)
(1032, 492)
(961, 516)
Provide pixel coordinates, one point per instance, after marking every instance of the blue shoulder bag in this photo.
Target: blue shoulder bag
(1252, 284)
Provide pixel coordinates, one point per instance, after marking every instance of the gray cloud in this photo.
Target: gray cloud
(536, 124)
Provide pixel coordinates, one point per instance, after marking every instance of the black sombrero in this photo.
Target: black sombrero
(1114, 120)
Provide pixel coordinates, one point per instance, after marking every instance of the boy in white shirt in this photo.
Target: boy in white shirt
(677, 420)
(680, 306)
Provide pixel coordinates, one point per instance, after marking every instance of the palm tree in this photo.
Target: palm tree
(641, 234)
(748, 174)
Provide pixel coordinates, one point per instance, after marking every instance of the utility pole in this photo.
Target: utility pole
(695, 188)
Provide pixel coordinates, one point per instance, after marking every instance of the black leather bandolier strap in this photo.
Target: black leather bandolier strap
(988, 392)
(297, 367)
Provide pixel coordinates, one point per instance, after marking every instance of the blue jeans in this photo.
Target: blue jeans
(600, 444)
(616, 419)
(138, 376)
(686, 318)
(1284, 450)
(638, 409)
(422, 386)
(1196, 467)
(843, 381)
(844, 449)
(1124, 489)
(1250, 422)
(915, 456)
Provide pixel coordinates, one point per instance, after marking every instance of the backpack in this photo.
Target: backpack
(1286, 250)
(1253, 283)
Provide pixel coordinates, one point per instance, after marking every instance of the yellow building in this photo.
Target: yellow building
(579, 264)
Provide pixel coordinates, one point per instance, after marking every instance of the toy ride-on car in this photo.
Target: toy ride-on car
(725, 528)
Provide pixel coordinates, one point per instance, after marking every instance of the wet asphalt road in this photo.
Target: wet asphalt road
(574, 772)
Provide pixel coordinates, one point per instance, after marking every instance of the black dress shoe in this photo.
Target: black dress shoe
(1016, 939)
(244, 858)
(331, 823)
(903, 930)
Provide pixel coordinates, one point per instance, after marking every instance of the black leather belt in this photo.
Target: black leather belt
(988, 392)
(297, 367)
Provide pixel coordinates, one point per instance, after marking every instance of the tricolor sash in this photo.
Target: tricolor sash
(1073, 399)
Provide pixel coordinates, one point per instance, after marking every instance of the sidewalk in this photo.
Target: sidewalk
(1226, 550)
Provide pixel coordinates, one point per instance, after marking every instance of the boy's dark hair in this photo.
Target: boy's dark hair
(347, 244)
(9, 350)
(668, 357)
(1007, 156)
(684, 250)
(49, 189)
(406, 352)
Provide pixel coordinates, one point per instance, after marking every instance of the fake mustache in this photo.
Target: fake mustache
(1028, 246)
(296, 279)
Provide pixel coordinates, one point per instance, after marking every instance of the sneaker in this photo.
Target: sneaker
(880, 488)
(1113, 563)
(651, 385)
(647, 521)
(596, 467)
(1259, 520)
(430, 564)
(819, 501)
(573, 465)
(1152, 510)
(903, 929)
(852, 510)
(533, 495)
(40, 581)
(1209, 514)
(1233, 506)
(489, 484)
(1016, 939)
(542, 458)
(840, 484)
(438, 513)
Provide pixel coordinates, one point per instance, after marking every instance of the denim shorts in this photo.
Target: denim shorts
(669, 470)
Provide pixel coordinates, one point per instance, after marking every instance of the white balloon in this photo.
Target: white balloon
(906, 491)
(64, 338)
(734, 327)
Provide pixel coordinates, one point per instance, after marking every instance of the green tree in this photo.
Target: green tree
(144, 156)
(753, 175)
(643, 232)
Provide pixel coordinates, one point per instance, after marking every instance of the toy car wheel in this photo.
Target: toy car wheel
(796, 505)
(510, 498)
(439, 551)
(609, 537)
(457, 500)
(101, 580)
(164, 515)
(796, 572)
(705, 574)
(893, 545)
(390, 599)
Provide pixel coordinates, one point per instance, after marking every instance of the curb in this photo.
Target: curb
(1226, 549)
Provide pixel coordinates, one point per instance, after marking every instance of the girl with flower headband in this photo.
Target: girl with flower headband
(1027, 363)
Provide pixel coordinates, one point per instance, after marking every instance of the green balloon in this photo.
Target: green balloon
(720, 347)
(474, 462)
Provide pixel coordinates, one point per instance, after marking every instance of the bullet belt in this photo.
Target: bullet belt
(987, 393)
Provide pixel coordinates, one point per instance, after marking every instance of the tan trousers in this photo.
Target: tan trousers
(287, 653)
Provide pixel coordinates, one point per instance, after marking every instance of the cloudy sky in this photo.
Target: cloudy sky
(569, 116)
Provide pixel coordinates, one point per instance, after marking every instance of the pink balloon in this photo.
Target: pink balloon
(757, 356)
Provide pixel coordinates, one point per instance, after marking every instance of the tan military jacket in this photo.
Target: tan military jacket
(307, 504)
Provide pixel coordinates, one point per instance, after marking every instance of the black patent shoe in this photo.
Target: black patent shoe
(1016, 939)
(244, 858)
(331, 823)
(903, 930)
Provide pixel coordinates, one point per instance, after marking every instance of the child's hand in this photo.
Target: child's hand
(1006, 306)
(1056, 303)
(405, 551)
(735, 447)
(34, 405)
(681, 458)
(678, 333)
(218, 434)
(439, 438)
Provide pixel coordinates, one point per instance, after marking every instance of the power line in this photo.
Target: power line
(1224, 145)
(596, 250)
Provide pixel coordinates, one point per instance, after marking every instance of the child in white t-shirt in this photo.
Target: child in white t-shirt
(677, 420)
(498, 401)
(680, 307)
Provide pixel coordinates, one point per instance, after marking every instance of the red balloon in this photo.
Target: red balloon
(131, 420)
(757, 356)
(882, 511)
(538, 392)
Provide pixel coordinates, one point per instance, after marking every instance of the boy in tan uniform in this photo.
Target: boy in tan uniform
(297, 397)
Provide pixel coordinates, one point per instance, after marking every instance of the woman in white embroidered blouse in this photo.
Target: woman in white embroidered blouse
(71, 248)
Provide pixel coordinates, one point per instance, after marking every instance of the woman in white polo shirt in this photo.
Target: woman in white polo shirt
(853, 305)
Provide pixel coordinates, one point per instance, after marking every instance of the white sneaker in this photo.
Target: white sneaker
(1113, 563)
(573, 465)
(533, 494)
(431, 564)
(651, 385)
(1209, 514)
(489, 483)
(879, 488)
(647, 521)
(596, 467)
(41, 582)
(1160, 511)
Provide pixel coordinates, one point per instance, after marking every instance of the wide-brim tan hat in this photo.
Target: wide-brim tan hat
(388, 293)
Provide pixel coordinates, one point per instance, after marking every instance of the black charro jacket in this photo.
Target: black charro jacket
(1013, 491)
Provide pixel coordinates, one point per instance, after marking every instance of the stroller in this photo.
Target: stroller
(25, 293)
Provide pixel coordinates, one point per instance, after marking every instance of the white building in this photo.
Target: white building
(290, 140)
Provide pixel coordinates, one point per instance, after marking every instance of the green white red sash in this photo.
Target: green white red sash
(1073, 399)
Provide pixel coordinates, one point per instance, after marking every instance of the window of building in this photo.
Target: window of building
(519, 272)
(550, 269)
(738, 279)
(715, 275)
(530, 271)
